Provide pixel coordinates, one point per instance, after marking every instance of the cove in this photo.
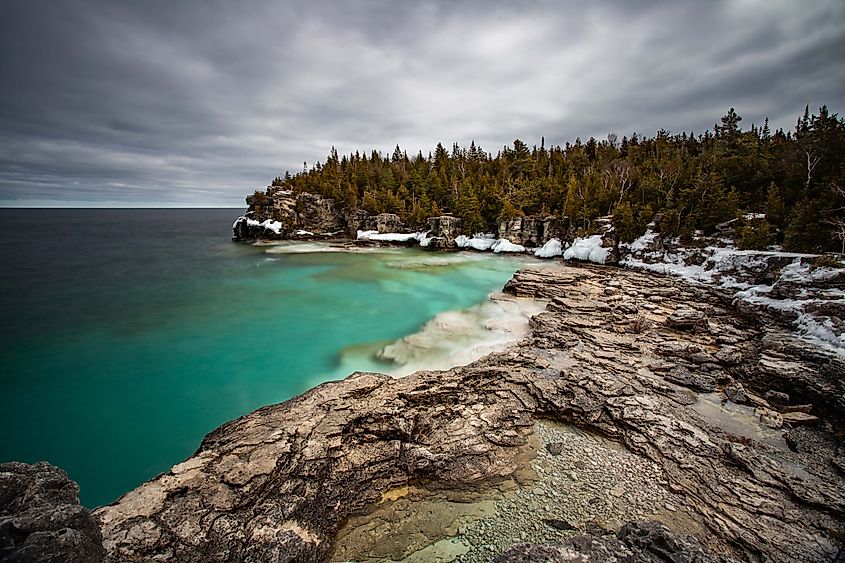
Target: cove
(127, 335)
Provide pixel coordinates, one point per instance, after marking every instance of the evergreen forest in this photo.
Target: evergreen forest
(696, 182)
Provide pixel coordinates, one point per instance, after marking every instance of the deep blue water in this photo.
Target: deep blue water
(128, 334)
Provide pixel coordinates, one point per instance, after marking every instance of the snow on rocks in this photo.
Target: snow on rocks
(587, 249)
(787, 285)
(389, 237)
(271, 225)
(504, 245)
(644, 242)
(476, 242)
(551, 249)
(247, 227)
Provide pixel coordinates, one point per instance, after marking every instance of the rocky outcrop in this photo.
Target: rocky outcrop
(318, 214)
(278, 214)
(532, 232)
(41, 518)
(280, 483)
(443, 230)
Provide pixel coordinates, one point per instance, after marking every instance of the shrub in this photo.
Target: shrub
(754, 235)
(827, 261)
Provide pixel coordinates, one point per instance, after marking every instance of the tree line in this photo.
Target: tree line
(696, 182)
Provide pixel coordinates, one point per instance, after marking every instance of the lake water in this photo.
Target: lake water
(128, 334)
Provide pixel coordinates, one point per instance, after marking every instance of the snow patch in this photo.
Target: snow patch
(643, 242)
(551, 249)
(504, 245)
(389, 237)
(820, 330)
(270, 225)
(587, 249)
(803, 273)
(476, 242)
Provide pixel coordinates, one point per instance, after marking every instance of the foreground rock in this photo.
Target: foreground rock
(636, 542)
(281, 483)
(41, 518)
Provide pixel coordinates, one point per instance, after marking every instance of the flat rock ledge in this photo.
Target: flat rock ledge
(611, 357)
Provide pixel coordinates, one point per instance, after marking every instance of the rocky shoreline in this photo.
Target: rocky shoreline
(643, 418)
(801, 290)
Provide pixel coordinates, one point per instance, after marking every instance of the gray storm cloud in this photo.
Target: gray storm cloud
(197, 103)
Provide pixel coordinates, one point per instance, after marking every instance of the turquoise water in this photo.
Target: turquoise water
(127, 335)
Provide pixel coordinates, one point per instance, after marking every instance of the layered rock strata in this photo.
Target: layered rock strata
(443, 231)
(532, 232)
(280, 483)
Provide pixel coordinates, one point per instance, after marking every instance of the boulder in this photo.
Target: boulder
(686, 318)
(796, 418)
(41, 518)
(735, 393)
(443, 230)
(770, 418)
(389, 223)
(532, 232)
(777, 397)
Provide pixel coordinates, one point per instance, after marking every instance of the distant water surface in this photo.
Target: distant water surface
(128, 334)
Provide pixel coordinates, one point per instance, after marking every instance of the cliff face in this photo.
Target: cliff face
(532, 231)
(278, 214)
(637, 365)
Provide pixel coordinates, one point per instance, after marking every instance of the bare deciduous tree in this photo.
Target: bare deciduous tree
(838, 222)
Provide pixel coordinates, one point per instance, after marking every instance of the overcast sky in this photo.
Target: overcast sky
(201, 102)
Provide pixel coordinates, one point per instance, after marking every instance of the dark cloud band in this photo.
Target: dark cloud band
(193, 102)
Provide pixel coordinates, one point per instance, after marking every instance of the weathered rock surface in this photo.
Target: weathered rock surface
(637, 542)
(296, 213)
(686, 319)
(41, 518)
(278, 484)
(307, 216)
(443, 230)
(532, 232)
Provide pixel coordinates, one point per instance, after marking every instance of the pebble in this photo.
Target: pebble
(604, 474)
